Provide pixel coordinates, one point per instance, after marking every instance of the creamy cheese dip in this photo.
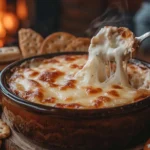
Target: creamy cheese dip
(102, 79)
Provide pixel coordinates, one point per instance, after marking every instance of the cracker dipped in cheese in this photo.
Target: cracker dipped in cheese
(102, 79)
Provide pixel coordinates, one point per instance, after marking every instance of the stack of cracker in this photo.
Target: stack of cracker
(32, 43)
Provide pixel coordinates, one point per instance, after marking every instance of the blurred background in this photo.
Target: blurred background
(79, 17)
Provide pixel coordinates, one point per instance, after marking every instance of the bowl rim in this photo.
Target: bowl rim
(65, 112)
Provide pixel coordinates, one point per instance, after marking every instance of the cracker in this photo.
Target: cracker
(29, 42)
(4, 130)
(8, 54)
(79, 44)
(56, 42)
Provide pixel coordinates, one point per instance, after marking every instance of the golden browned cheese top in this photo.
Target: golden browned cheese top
(51, 82)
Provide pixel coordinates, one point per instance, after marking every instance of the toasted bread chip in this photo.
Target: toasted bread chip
(29, 42)
(56, 42)
(4, 130)
(8, 54)
(79, 44)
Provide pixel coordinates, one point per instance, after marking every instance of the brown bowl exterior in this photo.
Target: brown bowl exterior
(56, 128)
(60, 132)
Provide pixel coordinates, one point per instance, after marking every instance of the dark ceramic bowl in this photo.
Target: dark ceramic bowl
(58, 128)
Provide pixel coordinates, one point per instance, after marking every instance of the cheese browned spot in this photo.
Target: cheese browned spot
(34, 83)
(117, 86)
(76, 66)
(69, 84)
(71, 106)
(34, 73)
(31, 95)
(113, 93)
(56, 85)
(68, 99)
(49, 100)
(50, 61)
(99, 102)
(31, 72)
(92, 90)
(141, 94)
(125, 34)
(50, 76)
(20, 87)
(70, 58)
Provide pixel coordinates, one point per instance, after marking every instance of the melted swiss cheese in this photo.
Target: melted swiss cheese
(52, 82)
(103, 79)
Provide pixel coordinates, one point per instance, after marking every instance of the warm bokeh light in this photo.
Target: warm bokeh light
(1, 43)
(2, 10)
(21, 10)
(1, 15)
(2, 5)
(10, 22)
(2, 31)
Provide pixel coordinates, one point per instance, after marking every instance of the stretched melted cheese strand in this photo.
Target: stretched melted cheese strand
(110, 44)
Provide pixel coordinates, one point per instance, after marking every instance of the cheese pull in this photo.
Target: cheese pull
(110, 44)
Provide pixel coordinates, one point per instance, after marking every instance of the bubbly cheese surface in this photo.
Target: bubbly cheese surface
(102, 79)
(52, 82)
